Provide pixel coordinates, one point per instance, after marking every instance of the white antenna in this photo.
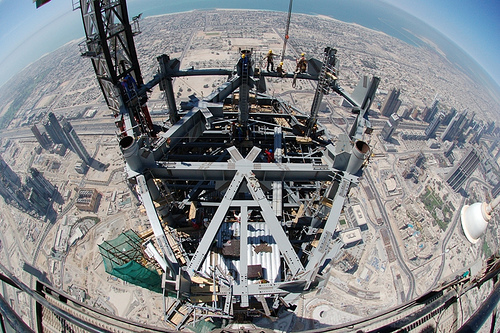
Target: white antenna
(475, 219)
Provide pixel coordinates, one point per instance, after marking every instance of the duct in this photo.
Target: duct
(360, 153)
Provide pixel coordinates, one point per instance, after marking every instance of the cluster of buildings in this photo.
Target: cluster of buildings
(451, 126)
(61, 136)
(454, 127)
(33, 196)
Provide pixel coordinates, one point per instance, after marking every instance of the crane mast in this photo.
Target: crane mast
(286, 30)
(109, 43)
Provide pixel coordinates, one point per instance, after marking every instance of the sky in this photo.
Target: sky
(473, 25)
(27, 33)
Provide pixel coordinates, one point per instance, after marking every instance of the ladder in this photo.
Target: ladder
(326, 74)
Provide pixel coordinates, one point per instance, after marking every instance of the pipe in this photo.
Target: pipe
(477, 320)
(492, 205)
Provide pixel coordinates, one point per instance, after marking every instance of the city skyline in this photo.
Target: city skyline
(27, 33)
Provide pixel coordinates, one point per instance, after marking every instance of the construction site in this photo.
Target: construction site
(244, 192)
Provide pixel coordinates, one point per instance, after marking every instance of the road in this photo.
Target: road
(449, 232)
(397, 251)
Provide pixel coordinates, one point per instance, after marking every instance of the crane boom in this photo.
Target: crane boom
(286, 30)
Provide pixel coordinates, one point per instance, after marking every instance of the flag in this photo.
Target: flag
(40, 2)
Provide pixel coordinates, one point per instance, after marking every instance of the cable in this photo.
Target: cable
(286, 30)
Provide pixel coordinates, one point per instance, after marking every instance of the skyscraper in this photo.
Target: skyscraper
(477, 134)
(463, 170)
(390, 126)
(11, 188)
(39, 183)
(391, 103)
(449, 116)
(455, 128)
(430, 131)
(430, 113)
(42, 138)
(449, 151)
(75, 143)
(54, 129)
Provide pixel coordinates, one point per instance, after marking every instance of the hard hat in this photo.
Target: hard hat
(302, 54)
(270, 51)
(243, 55)
(281, 63)
(270, 150)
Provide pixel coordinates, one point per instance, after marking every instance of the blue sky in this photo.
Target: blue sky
(472, 25)
(26, 33)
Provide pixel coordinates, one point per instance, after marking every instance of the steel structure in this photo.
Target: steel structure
(109, 43)
(243, 192)
(232, 163)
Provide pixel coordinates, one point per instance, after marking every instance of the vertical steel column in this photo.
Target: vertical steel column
(110, 44)
(245, 71)
(167, 87)
(327, 70)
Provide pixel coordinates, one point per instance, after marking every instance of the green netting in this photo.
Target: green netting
(204, 326)
(139, 275)
(121, 257)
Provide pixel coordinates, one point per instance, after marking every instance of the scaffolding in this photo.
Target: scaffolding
(123, 257)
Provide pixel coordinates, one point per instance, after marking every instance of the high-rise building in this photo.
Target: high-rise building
(463, 170)
(429, 113)
(430, 131)
(391, 103)
(390, 126)
(75, 143)
(42, 138)
(449, 151)
(420, 160)
(54, 129)
(40, 191)
(455, 127)
(477, 134)
(407, 113)
(8, 173)
(39, 183)
(491, 127)
(11, 188)
(34, 197)
(449, 116)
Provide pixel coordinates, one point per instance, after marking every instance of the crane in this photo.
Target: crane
(286, 30)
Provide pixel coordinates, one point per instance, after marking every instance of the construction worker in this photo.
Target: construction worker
(301, 64)
(242, 64)
(280, 70)
(270, 60)
(129, 86)
(270, 155)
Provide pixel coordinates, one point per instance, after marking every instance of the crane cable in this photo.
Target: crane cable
(286, 30)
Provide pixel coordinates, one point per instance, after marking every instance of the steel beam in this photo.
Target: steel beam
(143, 192)
(242, 288)
(275, 227)
(225, 170)
(214, 226)
(318, 255)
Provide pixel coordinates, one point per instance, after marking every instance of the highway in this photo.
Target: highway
(90, 126)
(397, 251)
